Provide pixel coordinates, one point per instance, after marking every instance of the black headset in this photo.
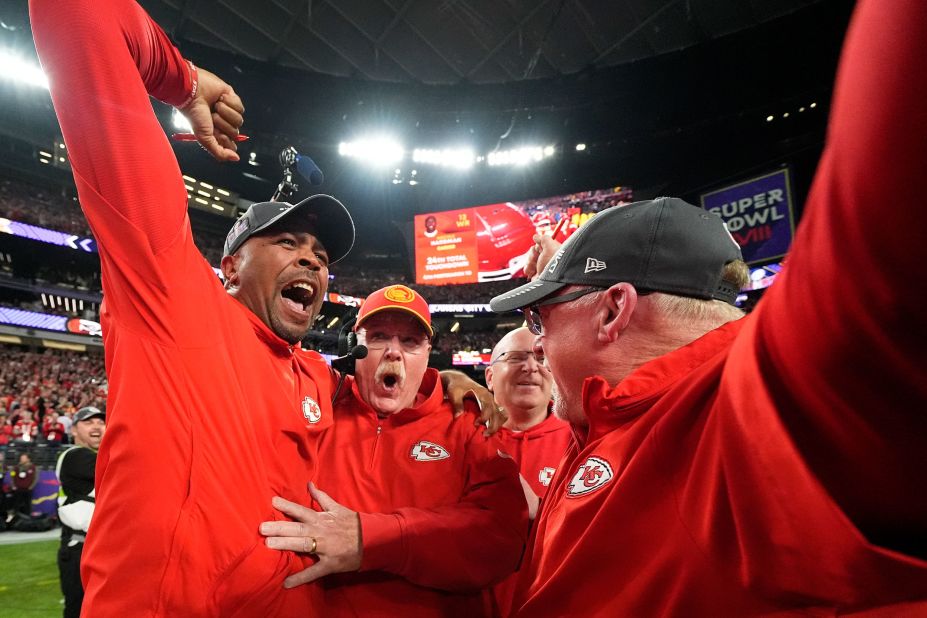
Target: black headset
(347, 338)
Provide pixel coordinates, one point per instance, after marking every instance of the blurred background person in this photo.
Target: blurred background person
(76, 501)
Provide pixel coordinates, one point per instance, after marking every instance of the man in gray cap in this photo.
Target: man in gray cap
(773, 464)
(75, 471)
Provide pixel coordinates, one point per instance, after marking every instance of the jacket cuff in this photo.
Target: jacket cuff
(381, 535)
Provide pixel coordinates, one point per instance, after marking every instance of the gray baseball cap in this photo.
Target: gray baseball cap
(88, 412)
(661, 245)
(330, 219)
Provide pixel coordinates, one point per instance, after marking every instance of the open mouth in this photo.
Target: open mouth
(298, 295)
(390, 381)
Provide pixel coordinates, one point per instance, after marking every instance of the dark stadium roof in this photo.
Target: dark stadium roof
(458, 41)
(670, 96)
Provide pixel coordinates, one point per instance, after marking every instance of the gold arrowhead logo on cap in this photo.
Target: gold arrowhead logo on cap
(399, 294)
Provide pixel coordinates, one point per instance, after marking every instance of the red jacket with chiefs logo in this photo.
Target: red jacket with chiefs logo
(443, 515)
(538, 451)
(205, 416)
(776, 465)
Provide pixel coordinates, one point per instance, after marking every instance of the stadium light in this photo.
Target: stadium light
(459, 158)
(520, 156)
(380, 150)
(180, 122)
(18, 69)
(580, 147)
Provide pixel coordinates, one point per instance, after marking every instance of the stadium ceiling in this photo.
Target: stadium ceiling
(458, 41)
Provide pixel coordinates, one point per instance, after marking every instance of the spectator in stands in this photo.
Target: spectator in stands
(423, 513)
(764, 465)
(521, 385)
(66, 417)
(25, 429)
(53, 429)
(6, 431)
(76, 501)
(25, 476)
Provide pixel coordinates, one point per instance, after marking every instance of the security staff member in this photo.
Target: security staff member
(75, 471)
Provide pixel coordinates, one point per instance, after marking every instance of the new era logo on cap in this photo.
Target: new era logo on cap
(593, 265)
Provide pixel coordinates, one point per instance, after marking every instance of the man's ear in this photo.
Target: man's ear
(488, 373)
(229, 267)
(614, 310)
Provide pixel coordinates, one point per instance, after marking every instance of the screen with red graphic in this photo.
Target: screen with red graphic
(490, 242)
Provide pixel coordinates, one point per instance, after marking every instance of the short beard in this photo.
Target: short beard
(287, 334)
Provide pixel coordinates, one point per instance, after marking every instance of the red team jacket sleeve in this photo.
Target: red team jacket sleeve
(103, 59)
(488, 526)
(841, 336)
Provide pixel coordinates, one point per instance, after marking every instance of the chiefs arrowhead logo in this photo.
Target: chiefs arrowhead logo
(591, 476)
(428, 451)
(546, 475)
(311, 410)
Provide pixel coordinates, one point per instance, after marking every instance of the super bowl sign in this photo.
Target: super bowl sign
(758, 213)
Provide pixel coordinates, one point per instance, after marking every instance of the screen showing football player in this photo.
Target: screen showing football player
(421, 512)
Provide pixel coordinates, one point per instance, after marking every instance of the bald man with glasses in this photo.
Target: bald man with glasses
(423, 513)
(521, 384)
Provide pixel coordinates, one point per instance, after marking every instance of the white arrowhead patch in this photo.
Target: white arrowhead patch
(594, 474)
(428, 451)
(311, 410)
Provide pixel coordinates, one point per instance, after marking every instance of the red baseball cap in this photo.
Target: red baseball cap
(399, 298)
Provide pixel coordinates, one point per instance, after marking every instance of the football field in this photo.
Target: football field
(29, 579)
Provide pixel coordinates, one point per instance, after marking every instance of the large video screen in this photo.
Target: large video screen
(489, 242)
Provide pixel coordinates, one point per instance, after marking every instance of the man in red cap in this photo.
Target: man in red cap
(424, 513)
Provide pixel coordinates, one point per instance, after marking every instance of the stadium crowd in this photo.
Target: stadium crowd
(40, 388)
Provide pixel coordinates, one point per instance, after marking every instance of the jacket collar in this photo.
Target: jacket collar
(549, 424)
(608, 407)
(277, 345)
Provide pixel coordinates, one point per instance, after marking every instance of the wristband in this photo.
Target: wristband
(193, 88)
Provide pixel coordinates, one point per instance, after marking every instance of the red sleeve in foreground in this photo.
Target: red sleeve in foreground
(102, 58)
(843, 335)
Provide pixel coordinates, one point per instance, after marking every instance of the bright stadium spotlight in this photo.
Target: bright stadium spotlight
(519, 156)
(180, 122)
(377, 150)
(459, 158)
(16, 68)
(580, 147)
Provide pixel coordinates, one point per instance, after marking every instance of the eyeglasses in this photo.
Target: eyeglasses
(519, 357)
(533, 313)
(380, 341)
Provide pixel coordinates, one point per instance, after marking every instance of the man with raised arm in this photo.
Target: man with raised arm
(175, 530)
(772, 464)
